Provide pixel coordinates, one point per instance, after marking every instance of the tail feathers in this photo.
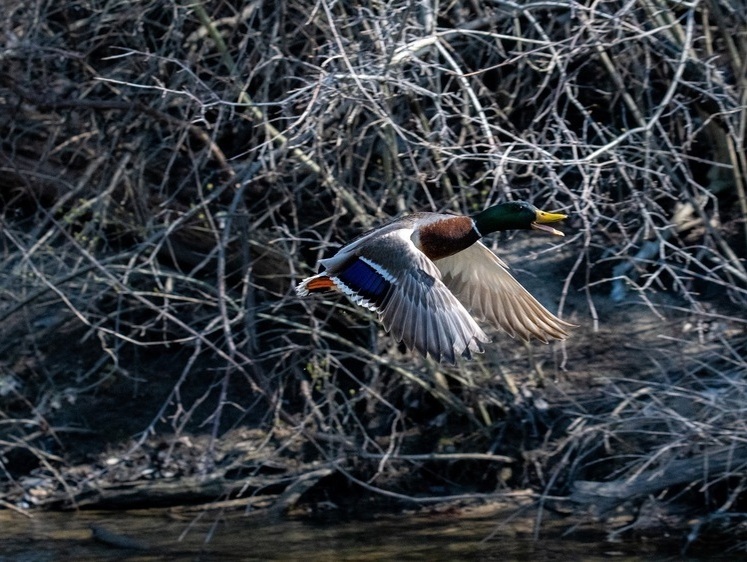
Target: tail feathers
(314, 284)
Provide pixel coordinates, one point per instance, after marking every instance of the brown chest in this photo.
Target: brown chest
(445, 237)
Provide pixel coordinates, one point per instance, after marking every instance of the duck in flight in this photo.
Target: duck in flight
(427, 276)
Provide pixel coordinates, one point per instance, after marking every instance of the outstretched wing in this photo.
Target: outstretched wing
(390, 275)
(481, 281)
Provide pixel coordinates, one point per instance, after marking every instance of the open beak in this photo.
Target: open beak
(543, 217)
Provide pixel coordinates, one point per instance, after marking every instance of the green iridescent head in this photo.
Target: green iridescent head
(516, 215)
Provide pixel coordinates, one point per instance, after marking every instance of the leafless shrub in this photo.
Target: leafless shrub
(170, 170)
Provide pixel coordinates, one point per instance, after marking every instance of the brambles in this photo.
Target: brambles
(171, 170)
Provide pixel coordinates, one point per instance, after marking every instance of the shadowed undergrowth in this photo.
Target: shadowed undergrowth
(171, 170)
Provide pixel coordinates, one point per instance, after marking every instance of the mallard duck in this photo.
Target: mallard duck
(422, 273)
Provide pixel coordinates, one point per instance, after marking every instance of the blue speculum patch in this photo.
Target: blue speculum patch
(365, 280)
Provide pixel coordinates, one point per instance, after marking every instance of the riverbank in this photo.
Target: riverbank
(171, 171)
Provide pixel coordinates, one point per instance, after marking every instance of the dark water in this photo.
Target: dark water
(157, 535)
